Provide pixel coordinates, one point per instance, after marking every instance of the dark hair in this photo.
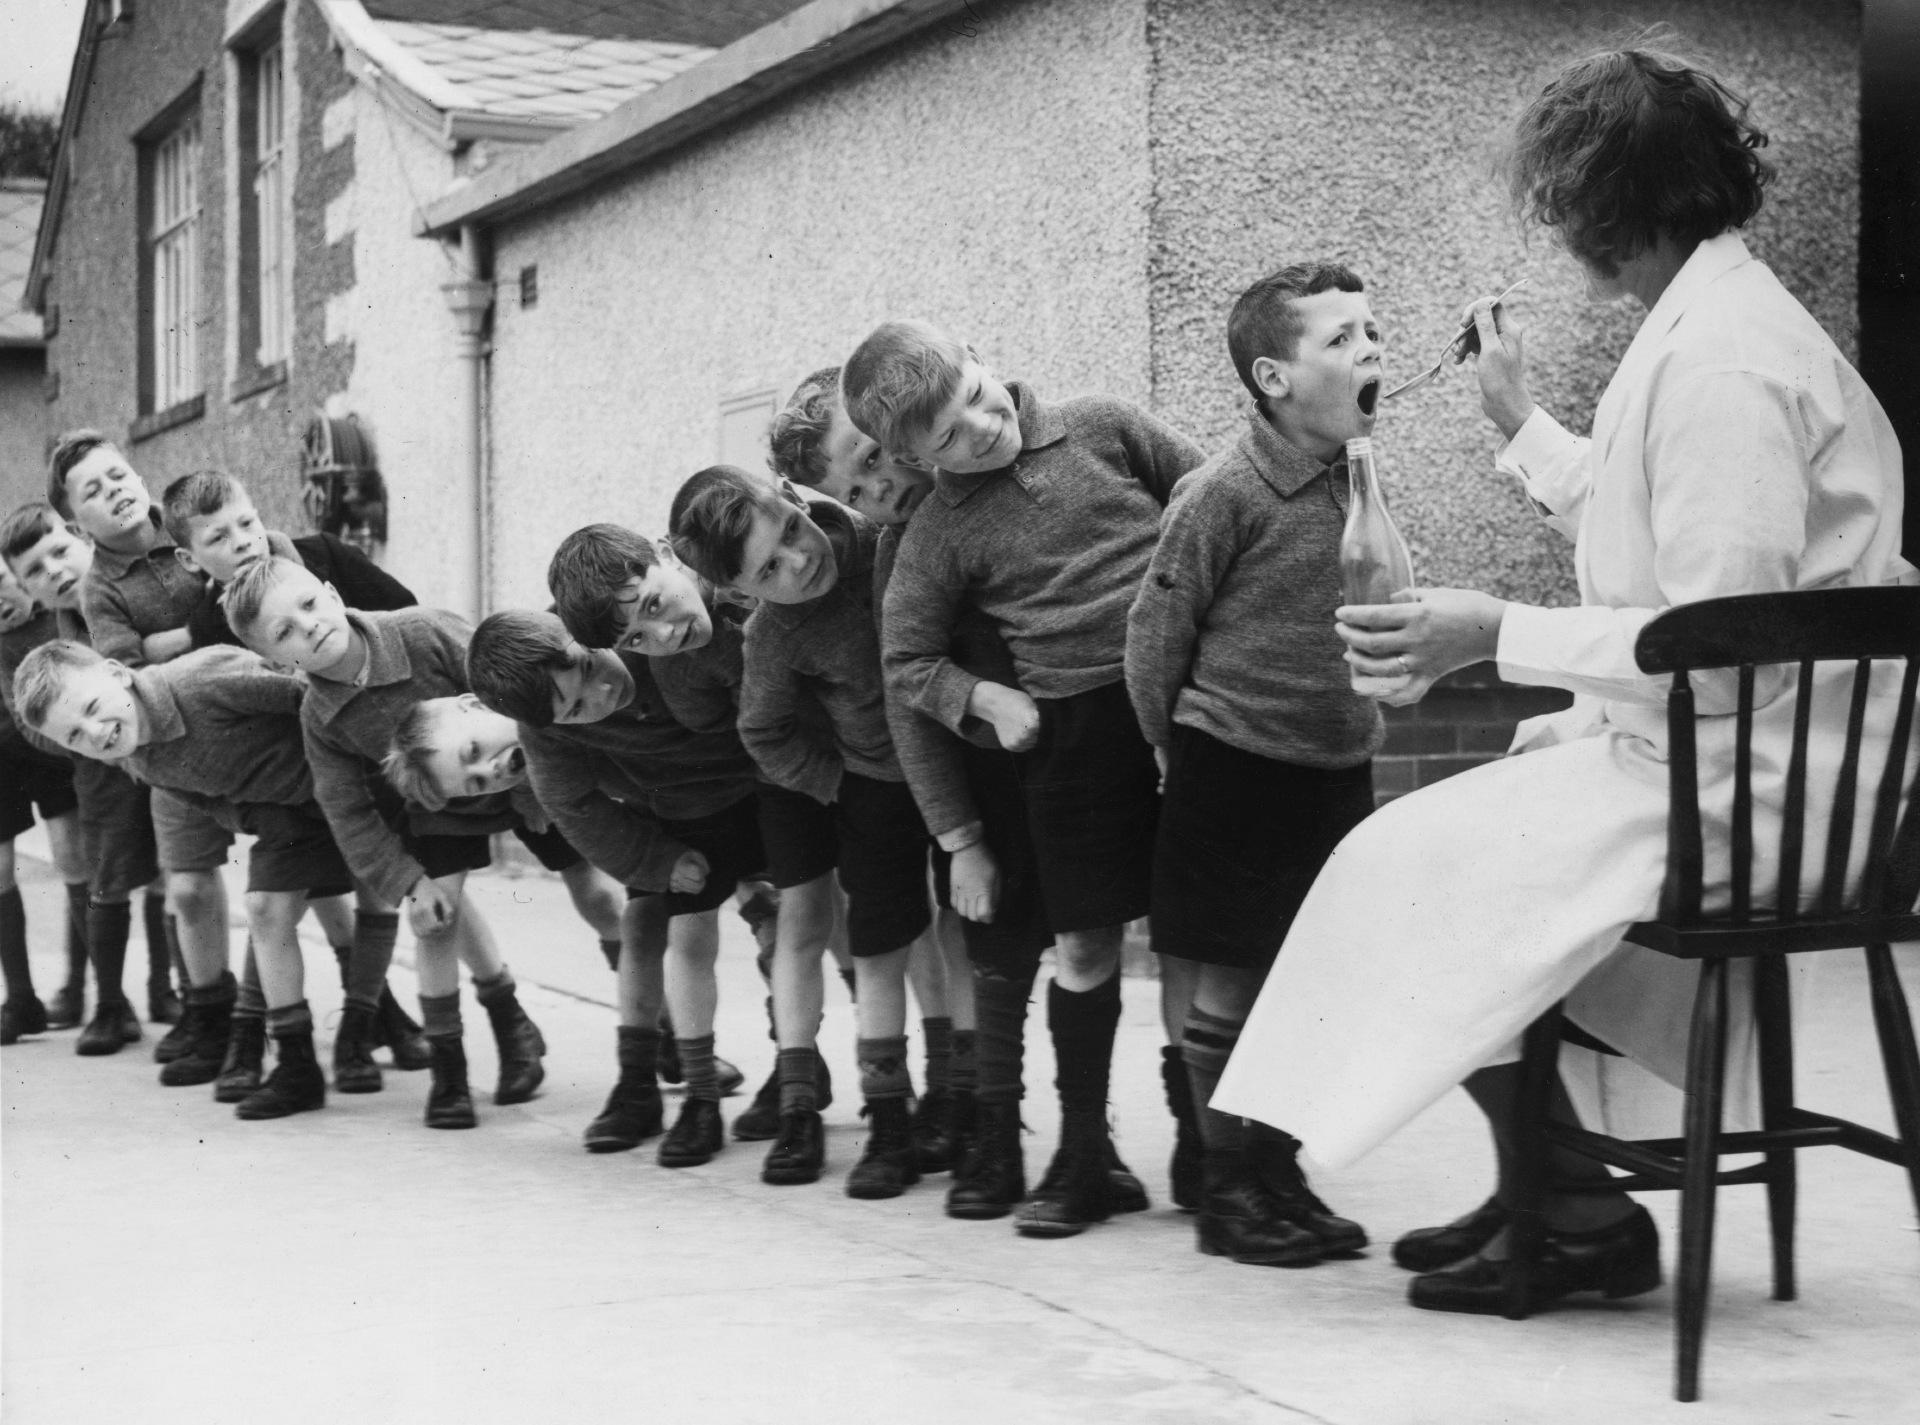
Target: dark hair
(511, 660)
(585, 577)
(1624, 146)
(899, 379)
(713, 514)
(30, 524)
(68, 451)
(1264, 322)
(799, 432)
(204, 492)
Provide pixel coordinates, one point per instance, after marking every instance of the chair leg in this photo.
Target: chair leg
(1773, 1015)
(1706, 1085)
(1895, 1024)
(1532, 1158)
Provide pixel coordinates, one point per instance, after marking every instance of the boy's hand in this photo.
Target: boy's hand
(1015, 719)
(689, 873)
(429, 911)
(1501, 367)
(166, 645)
(975, 883)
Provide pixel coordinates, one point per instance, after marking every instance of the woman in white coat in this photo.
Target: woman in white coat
(1734, 452)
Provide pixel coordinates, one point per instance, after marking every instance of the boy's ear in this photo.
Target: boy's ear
(791, 495)
(1272, 377)
(122, 674)
(669, 556)
(187, 561)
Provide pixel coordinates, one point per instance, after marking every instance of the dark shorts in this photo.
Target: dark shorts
(1009, 945)
(116, 830)
(798, 834)
(440, 854)
(730, 840)
(1241, 839)
(293, 850)
(187, 833)
(31, 780)
(1093, 798)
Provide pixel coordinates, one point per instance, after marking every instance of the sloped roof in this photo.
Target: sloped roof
(465, 81)
(20, 202)
(693, 22)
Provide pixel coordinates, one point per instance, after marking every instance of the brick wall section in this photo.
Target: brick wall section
(1468, 718)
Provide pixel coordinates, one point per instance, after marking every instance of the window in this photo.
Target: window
(172, 266)
(267, 284)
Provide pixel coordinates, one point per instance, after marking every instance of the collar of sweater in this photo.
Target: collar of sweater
(1041, 425)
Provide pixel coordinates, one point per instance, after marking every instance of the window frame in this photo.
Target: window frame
(171, 217)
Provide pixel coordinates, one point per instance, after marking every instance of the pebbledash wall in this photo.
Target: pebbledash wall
(1081, 188)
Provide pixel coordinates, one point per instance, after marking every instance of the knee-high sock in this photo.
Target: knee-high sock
(1083, 1026)
(108, 927)
(799, 1071)
(883, 1067)
(1206, 1044)
(937, 1030)
(1000, 1041)
(374, 932)
(13, 945)
(162, 937)
(77, 934)
(963, 1068)
(697, 1067)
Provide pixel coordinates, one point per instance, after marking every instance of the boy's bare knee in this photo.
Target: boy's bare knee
(194, 895)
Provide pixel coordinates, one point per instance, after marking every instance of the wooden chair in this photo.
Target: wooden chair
(1858, 625)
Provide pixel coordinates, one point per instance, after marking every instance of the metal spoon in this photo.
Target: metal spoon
(1467, 330)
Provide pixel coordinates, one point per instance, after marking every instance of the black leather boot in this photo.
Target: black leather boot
(22, 1014)
(886, 1166)
(633, 1114)
(354, 1070)
(761, 1120)
(396, 1030)
(205, 1030)
(520, 1043)
(108, 1031)
(1238, 1218)
(799, 1152)
(697, 1134)
(296, 1084)
(241, 1069)
(1274, 1157)
(932, 1129)
(1186, 1178)
(68, 1007)
(1075, 1193)
(1622, 1259)
(992, 1179)
(1427, 1249)
(449, 1102)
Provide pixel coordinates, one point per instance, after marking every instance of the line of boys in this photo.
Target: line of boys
(1095, 670)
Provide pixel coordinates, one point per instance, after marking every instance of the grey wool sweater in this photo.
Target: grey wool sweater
(1050, 549)
(1232, 632)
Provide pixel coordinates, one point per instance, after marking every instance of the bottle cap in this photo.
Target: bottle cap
(1359, 445)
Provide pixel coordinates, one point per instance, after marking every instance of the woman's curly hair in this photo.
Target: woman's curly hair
(1624, 146)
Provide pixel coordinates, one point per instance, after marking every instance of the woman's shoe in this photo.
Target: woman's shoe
(1427, 1249)
(1618, 1260)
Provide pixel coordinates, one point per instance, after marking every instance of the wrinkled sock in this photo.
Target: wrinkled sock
(374, 932)
(938, 1032)
(1083, 1024)
(962, 1069)
(697, 1068)
(1000, 1007)
(290, 1021)
(883, 1067)
(13, 945)
(799, 1071)
(77, 934)
(222, 991)
(108, 927)
(251, 1003)
(162, 935)
(1206, 1043)
(638, 1051)
(440, 1016)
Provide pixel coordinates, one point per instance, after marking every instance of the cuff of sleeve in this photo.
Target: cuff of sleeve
(399, 878)
(1527, 645)
(1538, 448)
(947, 694)
(961, 837)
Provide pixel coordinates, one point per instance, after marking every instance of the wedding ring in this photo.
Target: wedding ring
(1406, 668)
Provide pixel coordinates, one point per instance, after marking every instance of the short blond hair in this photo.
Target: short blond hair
(405, 765)
(250, 588)
(899, 379)
(42, 677)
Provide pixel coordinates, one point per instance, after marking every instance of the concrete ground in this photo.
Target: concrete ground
(167, 1262)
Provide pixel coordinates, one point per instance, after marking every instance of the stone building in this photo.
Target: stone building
(23, 362)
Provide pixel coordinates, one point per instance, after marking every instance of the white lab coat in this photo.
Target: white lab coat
(1735, 451)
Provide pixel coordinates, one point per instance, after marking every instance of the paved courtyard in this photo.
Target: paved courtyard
(164, 1261)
